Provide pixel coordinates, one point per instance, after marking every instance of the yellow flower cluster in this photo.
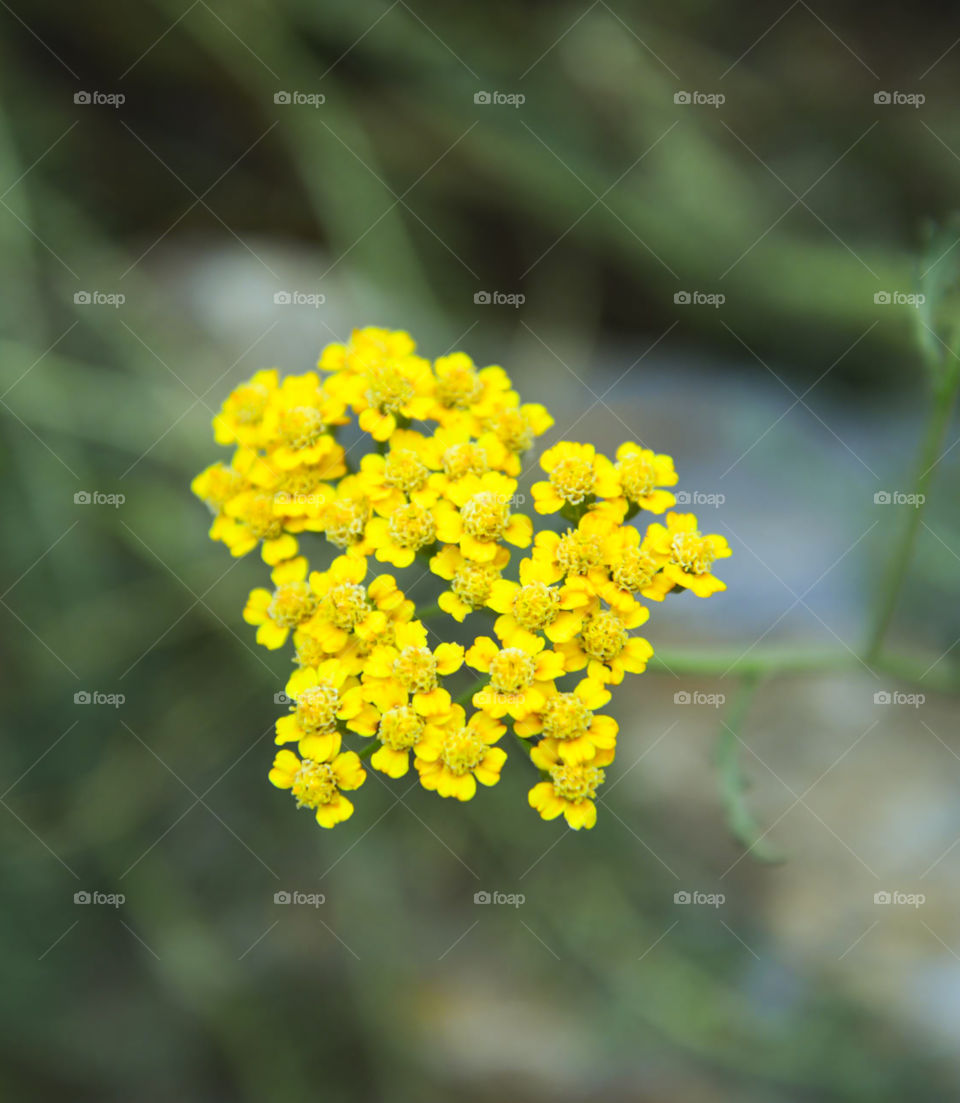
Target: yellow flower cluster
(440, 483)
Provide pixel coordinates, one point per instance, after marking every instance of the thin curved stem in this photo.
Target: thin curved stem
(944, 400)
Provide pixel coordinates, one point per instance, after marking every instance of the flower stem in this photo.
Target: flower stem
(743, 826)
(468, 693)
(945, 395)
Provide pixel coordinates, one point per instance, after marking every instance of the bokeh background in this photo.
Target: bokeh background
(419, 185)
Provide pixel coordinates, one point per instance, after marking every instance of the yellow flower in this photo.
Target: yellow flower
(296, 422)
(381, 384)
(409, 671)
(397, 539)
(454, 756)
(515, 428)
(470, 583)
(634, 568)
(323, 696)
(291, 603)
(402, 730)
(217, 484)
(578, 475)
(317, 784)
(240, 420)
(532, 605)
(478, 516)
(570, 789)
(300, 491)
(326, 634)
(248, 519)
(366, 346)
(521, 678)
(400, 476)
(641, 473)
(569, 721)
(446, 489)
(343, 605)
(464, 391)
(577, 553)
(690, 554)
(454, 453)
(344, 517)
(606, 647)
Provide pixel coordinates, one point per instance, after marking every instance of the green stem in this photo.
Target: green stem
(468, 693)
(428, 611)
(945, 394)
(743, 826)
(523, 743)
(367, 751)
(922, 669)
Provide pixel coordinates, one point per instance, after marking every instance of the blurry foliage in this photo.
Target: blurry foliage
(192, 1011)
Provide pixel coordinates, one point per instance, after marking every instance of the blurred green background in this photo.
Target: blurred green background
(602, 198)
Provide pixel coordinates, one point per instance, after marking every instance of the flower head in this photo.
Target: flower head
(690, 555)
(455, 755)
(319, 784)
(438, 480)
